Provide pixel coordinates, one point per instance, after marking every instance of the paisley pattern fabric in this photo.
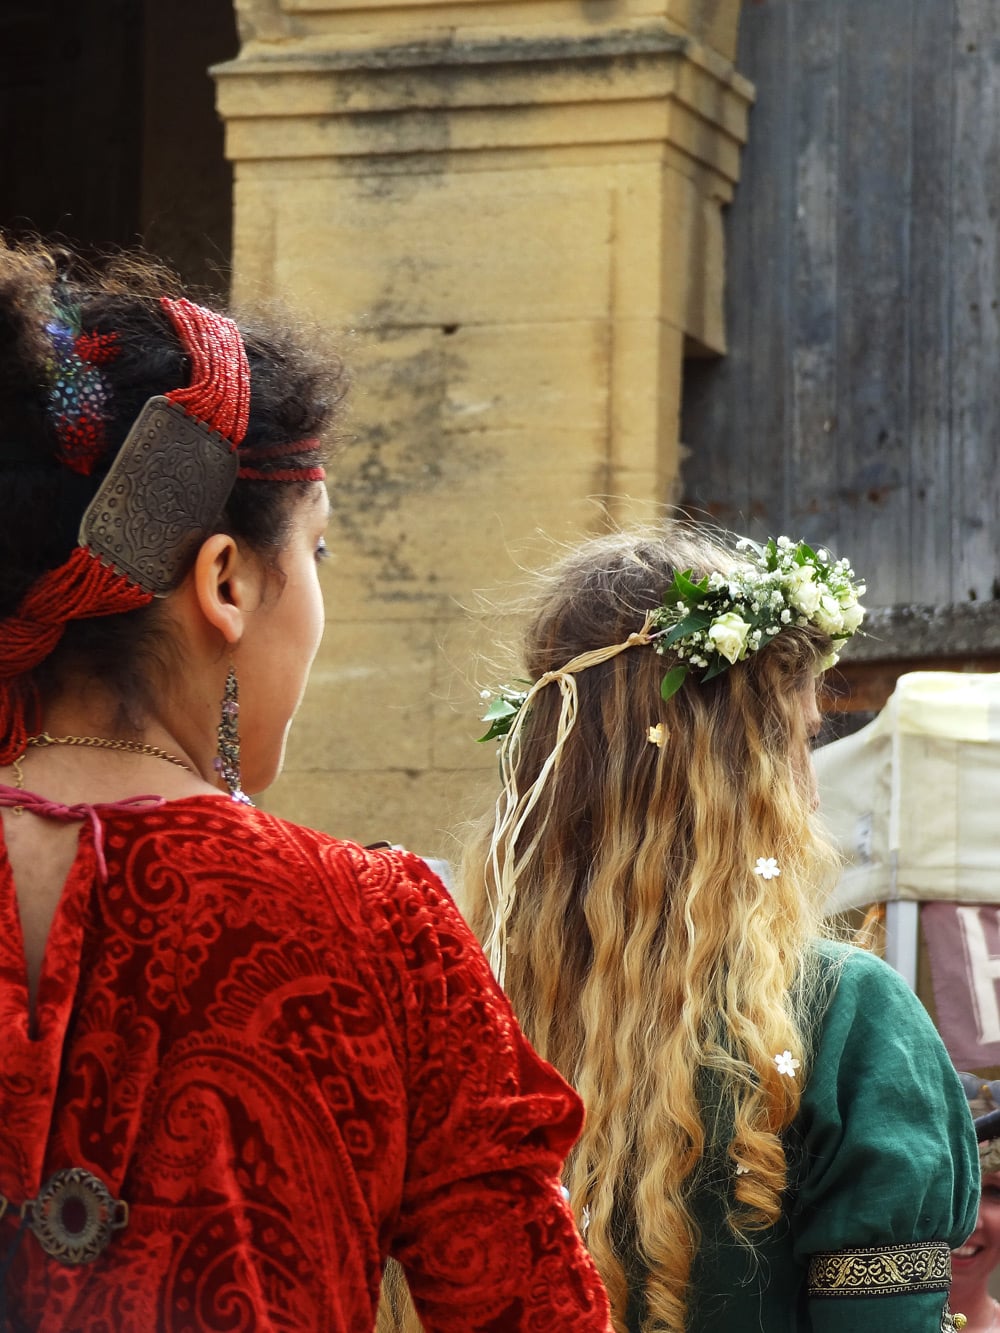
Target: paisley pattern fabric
(288, 1056)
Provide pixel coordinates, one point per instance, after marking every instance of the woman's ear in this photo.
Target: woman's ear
(226, 585)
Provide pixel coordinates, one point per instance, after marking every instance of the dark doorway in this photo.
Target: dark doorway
(108, 130)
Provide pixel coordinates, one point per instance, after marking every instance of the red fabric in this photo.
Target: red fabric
(288, 1056)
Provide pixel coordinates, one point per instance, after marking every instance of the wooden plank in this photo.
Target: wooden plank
(872, 350)
(860, 402)
(812, 458)
(710, 476)
(705, 414)
(975, 418)
(733, 410)
(928, 311)
(763, 446)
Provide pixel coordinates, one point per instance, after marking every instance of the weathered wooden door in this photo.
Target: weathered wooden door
(859, 405)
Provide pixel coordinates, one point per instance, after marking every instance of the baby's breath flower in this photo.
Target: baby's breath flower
(767, 867)
(787, 1064)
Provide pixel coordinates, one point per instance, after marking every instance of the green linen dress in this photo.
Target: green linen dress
(882, 1157)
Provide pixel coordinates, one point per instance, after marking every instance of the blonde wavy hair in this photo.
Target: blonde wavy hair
(645, 957)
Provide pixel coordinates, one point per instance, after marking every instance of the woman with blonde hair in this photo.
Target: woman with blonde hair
(775, 1139)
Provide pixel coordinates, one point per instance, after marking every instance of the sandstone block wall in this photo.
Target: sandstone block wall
(513, 214)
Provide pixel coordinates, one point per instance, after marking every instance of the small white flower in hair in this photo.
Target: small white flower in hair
(742, 1170)
(767, 867)
(787, 1064)
(658, 735)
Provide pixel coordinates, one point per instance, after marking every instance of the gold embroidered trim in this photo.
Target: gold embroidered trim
(885, 1270)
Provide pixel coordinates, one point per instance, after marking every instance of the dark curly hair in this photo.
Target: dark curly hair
(294, 396)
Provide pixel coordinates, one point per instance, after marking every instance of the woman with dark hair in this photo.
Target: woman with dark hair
(241, 1063)
(775, 1139)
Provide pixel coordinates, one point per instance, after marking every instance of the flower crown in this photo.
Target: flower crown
(723, 618)
(714, 622)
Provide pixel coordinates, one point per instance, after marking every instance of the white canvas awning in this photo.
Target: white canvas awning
(913, 799)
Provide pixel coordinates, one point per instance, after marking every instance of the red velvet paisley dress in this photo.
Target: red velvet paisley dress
(287, 1056)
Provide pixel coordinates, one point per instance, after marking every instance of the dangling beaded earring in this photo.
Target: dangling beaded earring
(227, 762)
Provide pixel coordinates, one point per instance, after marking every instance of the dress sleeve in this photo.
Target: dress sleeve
(483, 1232)
(889, 1167)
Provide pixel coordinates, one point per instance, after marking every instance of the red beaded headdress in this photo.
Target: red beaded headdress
(128, 552)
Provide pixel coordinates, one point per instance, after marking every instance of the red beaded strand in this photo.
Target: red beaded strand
(80, 587)
(219, 391)
(99, 349)
(266, 453)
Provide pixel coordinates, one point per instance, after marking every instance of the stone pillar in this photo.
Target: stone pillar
(516, 209)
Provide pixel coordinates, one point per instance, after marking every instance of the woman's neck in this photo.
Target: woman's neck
(978, 1306)
(97, 755)
(89, 714)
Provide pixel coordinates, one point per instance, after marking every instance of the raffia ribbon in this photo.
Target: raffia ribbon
(513, 808)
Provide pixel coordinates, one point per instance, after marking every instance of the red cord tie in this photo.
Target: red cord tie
(80, 587)
(268, 454)
(46, 809)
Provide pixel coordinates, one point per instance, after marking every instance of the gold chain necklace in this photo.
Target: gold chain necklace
(95, 743)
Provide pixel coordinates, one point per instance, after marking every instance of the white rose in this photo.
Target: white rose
(853, 616)
(728, 635)
(802, 591)
(828, 615)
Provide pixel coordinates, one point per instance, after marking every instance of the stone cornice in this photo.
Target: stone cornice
(456, 50)
(652, 85)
